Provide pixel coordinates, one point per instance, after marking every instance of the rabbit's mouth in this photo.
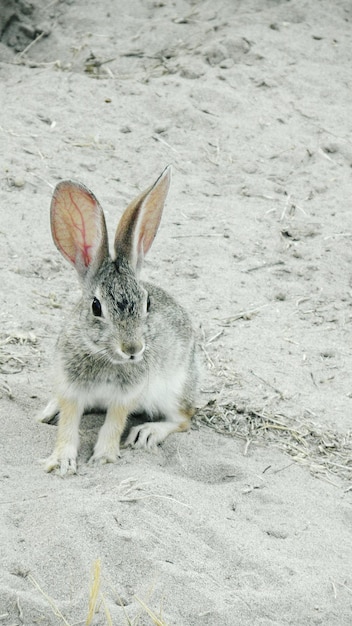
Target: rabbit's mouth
(128, 354)
(116, 360)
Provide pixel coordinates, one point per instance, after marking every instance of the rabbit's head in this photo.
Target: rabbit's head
(114, 306)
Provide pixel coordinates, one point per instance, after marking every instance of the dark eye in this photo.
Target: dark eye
(148, 303)
(96, 307)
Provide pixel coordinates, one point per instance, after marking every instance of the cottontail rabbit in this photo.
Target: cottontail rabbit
(127, 346)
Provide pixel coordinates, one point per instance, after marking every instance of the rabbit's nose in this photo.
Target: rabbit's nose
(133, 350)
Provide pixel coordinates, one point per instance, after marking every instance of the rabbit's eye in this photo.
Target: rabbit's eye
(96, 308)
(148, 303)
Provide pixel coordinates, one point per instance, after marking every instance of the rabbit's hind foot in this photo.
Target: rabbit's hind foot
(151, 434)
(50, 414)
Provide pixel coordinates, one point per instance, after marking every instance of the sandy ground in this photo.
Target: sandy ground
(247, 519)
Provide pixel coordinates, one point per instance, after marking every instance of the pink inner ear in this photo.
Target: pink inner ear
(150, 222)
(145, 240)
(75, 223)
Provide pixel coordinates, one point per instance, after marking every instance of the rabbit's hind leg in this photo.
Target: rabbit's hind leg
(150, 434)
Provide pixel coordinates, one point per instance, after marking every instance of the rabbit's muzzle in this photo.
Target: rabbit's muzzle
(130, 351)
(133, 350)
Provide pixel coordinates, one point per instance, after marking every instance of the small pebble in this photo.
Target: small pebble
(328, 354)
(161, 128)
(250, 168)
(226, 64)
(18, 182)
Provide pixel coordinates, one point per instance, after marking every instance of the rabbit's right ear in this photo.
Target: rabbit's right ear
(78, 226)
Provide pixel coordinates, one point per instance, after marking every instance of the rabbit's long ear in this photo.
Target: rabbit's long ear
(140, 222)
(78, 226)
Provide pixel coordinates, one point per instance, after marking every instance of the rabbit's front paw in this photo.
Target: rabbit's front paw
(101, 458)
(65, 463)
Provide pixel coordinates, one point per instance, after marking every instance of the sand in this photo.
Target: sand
(246, 519)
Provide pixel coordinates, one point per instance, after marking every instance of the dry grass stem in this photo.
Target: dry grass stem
(156, 620)
(30, 45)
(128, 491)
(107, 612)
(53, 606)
(94, 591)
(245, 315)
(157, 138)
(5, 388)
(214, 337)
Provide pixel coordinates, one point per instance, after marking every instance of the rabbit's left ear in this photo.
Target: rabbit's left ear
(140, 222)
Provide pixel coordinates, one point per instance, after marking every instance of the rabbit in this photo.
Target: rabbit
(128, 346)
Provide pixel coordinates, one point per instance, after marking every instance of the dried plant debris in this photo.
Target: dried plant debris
(15, 351)
(325, 452)
(20, 336)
